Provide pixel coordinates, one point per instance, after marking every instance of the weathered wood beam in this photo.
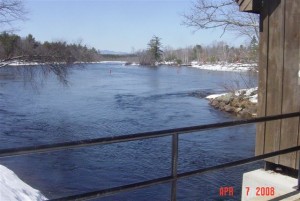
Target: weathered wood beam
(252, 6)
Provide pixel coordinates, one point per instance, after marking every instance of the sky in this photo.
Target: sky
(117, 25)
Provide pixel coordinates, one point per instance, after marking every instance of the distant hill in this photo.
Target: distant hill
(109, 52)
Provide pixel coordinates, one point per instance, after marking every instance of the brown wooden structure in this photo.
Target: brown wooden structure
(279, 82)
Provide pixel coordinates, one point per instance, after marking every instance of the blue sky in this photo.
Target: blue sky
(118, 25)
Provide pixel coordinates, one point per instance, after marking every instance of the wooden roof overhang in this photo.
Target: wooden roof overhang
(252, 6)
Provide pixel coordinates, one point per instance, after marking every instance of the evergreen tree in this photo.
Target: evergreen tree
(254, 43)
(154, 50)
(197, 51)
(9, 44)
(254, 49)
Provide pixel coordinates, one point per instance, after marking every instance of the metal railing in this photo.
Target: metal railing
(174, 176)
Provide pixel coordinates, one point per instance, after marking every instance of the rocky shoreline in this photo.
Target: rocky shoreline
(242, 103)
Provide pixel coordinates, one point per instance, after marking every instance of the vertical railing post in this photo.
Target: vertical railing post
(174, 165)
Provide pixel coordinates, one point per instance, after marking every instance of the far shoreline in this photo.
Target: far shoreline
(226, 67)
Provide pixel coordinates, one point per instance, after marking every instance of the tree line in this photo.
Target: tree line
(14, 47)
(218, 52)
(215, 53)
(57, 57)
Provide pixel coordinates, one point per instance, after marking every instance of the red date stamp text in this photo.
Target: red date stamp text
(260, 191)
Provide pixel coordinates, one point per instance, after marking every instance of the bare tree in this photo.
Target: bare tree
(14, 50)
(11, 11)
(225, 14)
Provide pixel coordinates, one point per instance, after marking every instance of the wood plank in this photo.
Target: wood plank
(253, 6)
(290, 100)
(275, 71)
(298, 154)
(242, 3)
(246, 5)
(262, 80)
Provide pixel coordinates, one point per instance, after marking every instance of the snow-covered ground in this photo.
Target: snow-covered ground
(213, 96)
(12, 188)
(22, 63)
(225, 67)
(134, 64)
(19, 63)
(247, 93)
(112, 62)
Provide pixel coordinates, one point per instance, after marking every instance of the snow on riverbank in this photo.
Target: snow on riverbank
(250, 94)
(237, 67)
(112, 62)
(225, 67)
(12, 188)
(21, 63)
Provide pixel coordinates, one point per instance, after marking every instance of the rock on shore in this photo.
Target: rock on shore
(242, 103)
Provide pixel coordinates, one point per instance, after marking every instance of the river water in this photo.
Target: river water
(107, 100)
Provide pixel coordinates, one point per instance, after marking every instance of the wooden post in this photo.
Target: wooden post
(279, 84)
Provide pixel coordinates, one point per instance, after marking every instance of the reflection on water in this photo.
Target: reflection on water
(129, 100)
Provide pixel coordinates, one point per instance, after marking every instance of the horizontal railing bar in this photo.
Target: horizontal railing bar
(239, 162)
(138, 136)
(115, 190)
(162, 180)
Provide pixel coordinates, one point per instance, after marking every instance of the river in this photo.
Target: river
(106, 100)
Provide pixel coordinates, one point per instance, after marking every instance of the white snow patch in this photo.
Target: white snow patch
(169, 63)
(134, 64)
(213, 96)
(112, 62)
(224, 67)
(23, 63)
(253, 99)
(247, 92)
(12, 188)
(20, 63)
